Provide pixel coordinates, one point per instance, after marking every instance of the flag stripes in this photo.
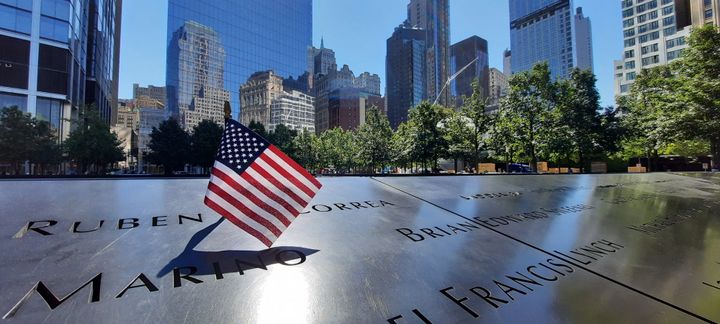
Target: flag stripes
(257, 187)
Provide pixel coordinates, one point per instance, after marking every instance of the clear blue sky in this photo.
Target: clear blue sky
(357, 31)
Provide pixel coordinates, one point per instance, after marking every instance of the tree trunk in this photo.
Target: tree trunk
(533, 158)
(715, 151)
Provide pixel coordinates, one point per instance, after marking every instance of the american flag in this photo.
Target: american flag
(255, 186)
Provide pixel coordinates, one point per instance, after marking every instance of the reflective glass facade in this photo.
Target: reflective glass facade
(522, 8)
(60, 54)
(405, 71)
(461, 54)
(255, 35)
(434, 17)
(542, 30)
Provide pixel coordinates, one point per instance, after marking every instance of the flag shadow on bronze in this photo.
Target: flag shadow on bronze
(191, 262)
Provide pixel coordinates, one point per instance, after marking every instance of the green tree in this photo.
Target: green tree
(429, 139)
(337, 150)
(481, 121)
(204, 143)
(373, 140)
(577, 121)
(282, 137)
(402, 145)
(91, 144)
(46, 150)
(501, 139)
(170, 146)
(648, 115)
(258, 128)
(528, 105)
(305, 150)
(16, 131)
(697, 114)
(459, 136)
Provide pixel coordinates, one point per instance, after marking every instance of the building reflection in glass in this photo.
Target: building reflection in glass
(231, 40)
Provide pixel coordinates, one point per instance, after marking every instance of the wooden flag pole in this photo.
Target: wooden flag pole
(227, 110)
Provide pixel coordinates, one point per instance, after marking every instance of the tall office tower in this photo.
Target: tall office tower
(323, 59)
(542, 31)
(257, 95)
(498, 85)
(654, 34)
(404, 72)
(57, 55)
(433, 16)
(507, 63)
(257, 35)
(583, 41)
(294, 109)
(705, 12)
(320, 61)
(370, 83)
(463, 53)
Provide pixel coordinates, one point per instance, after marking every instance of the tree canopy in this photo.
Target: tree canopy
(91, 144)
(170, 146)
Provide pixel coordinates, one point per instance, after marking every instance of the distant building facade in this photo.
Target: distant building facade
(705, 12)
(257, 95)
(207, 105)
(543, 31)
(368, 82)
(461, 54)
(335, 79)
(294, 109)
(498, 85)
(153, 92)
(583, 41)
(654, 33)
(127, 114)
(405, 72)
(507, 62)
(347, 107)
(256, 35)
(149, 118)
(58, 55)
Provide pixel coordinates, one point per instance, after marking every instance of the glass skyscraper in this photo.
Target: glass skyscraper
(461, 54)
(252, 35)
(56, 55)
(542, 30)
(405, 72)
(433, 16)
